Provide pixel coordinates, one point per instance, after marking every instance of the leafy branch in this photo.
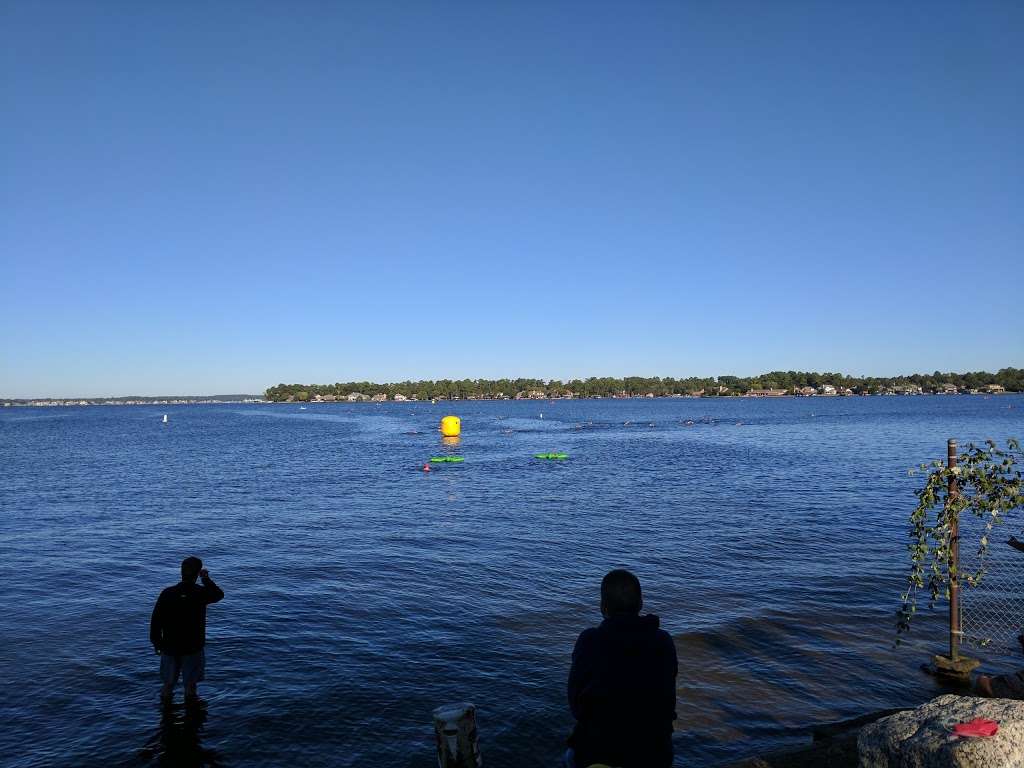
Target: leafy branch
(986, 482)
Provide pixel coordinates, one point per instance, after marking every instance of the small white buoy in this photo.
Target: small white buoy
(165, 418)
(542, 416)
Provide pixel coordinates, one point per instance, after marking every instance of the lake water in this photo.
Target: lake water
(769, 535)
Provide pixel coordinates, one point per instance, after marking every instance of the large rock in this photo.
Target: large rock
(923, 737)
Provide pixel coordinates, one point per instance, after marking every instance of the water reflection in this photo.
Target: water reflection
(178, 740)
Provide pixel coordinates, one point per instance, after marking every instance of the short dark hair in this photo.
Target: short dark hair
(190, 568)
(620, 593)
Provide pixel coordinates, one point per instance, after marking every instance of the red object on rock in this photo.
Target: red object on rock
(978, 727)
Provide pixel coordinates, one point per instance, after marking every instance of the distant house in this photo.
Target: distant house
(696, 393)
(948, 389)
(826, 389)
(995, 389)
(400, 398)
(379, 398)
(533, 394)
(766, 393)
(807, 391)
(356, 397)
(845, 391)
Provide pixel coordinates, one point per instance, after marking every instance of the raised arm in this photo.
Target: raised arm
(214, 594)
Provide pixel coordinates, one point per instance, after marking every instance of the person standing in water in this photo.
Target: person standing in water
(177, 628)
(622, 684)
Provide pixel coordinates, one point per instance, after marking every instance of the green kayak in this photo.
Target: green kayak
(448, 459)
(551, 455)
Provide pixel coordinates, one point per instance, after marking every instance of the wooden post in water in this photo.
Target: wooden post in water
(954, 666)
(455, 730)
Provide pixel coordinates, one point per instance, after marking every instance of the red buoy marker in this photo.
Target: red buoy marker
(426, 467)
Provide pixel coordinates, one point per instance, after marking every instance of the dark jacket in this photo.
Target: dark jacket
(622, 692)
(178, 625)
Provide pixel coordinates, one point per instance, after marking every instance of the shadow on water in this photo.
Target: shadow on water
(178, 740)
(763, 682)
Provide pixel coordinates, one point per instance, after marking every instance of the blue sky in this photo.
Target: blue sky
(217, 197)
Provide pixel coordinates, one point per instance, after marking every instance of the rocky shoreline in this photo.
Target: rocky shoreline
(910, 737)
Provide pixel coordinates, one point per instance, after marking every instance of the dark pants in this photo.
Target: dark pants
(190, 668)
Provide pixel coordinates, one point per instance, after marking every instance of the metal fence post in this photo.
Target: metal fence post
(954, 559)
(954, 666)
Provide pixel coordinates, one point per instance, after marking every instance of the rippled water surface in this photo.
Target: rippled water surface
(361, 592)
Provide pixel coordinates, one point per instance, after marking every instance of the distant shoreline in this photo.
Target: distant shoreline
(771, 384)
(46, 402)
(254, 400)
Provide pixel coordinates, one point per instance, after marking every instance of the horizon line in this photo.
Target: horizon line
(546, 381)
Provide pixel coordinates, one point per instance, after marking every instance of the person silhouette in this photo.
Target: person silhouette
(177, 628)
(622, 684)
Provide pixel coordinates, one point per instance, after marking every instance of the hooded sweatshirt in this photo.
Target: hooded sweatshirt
(622, 692)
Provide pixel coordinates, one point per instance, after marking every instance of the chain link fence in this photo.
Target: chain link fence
(992, 612)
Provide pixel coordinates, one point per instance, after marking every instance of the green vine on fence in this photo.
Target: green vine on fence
(989, 487)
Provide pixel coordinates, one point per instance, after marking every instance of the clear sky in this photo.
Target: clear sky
(217, 197)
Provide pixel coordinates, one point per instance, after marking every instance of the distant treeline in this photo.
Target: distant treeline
(132, 399)
(1011, 379)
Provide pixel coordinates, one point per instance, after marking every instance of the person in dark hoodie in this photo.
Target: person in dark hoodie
(622, 684)
(177, 628)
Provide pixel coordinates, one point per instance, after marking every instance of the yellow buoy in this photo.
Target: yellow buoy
(451, 426)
